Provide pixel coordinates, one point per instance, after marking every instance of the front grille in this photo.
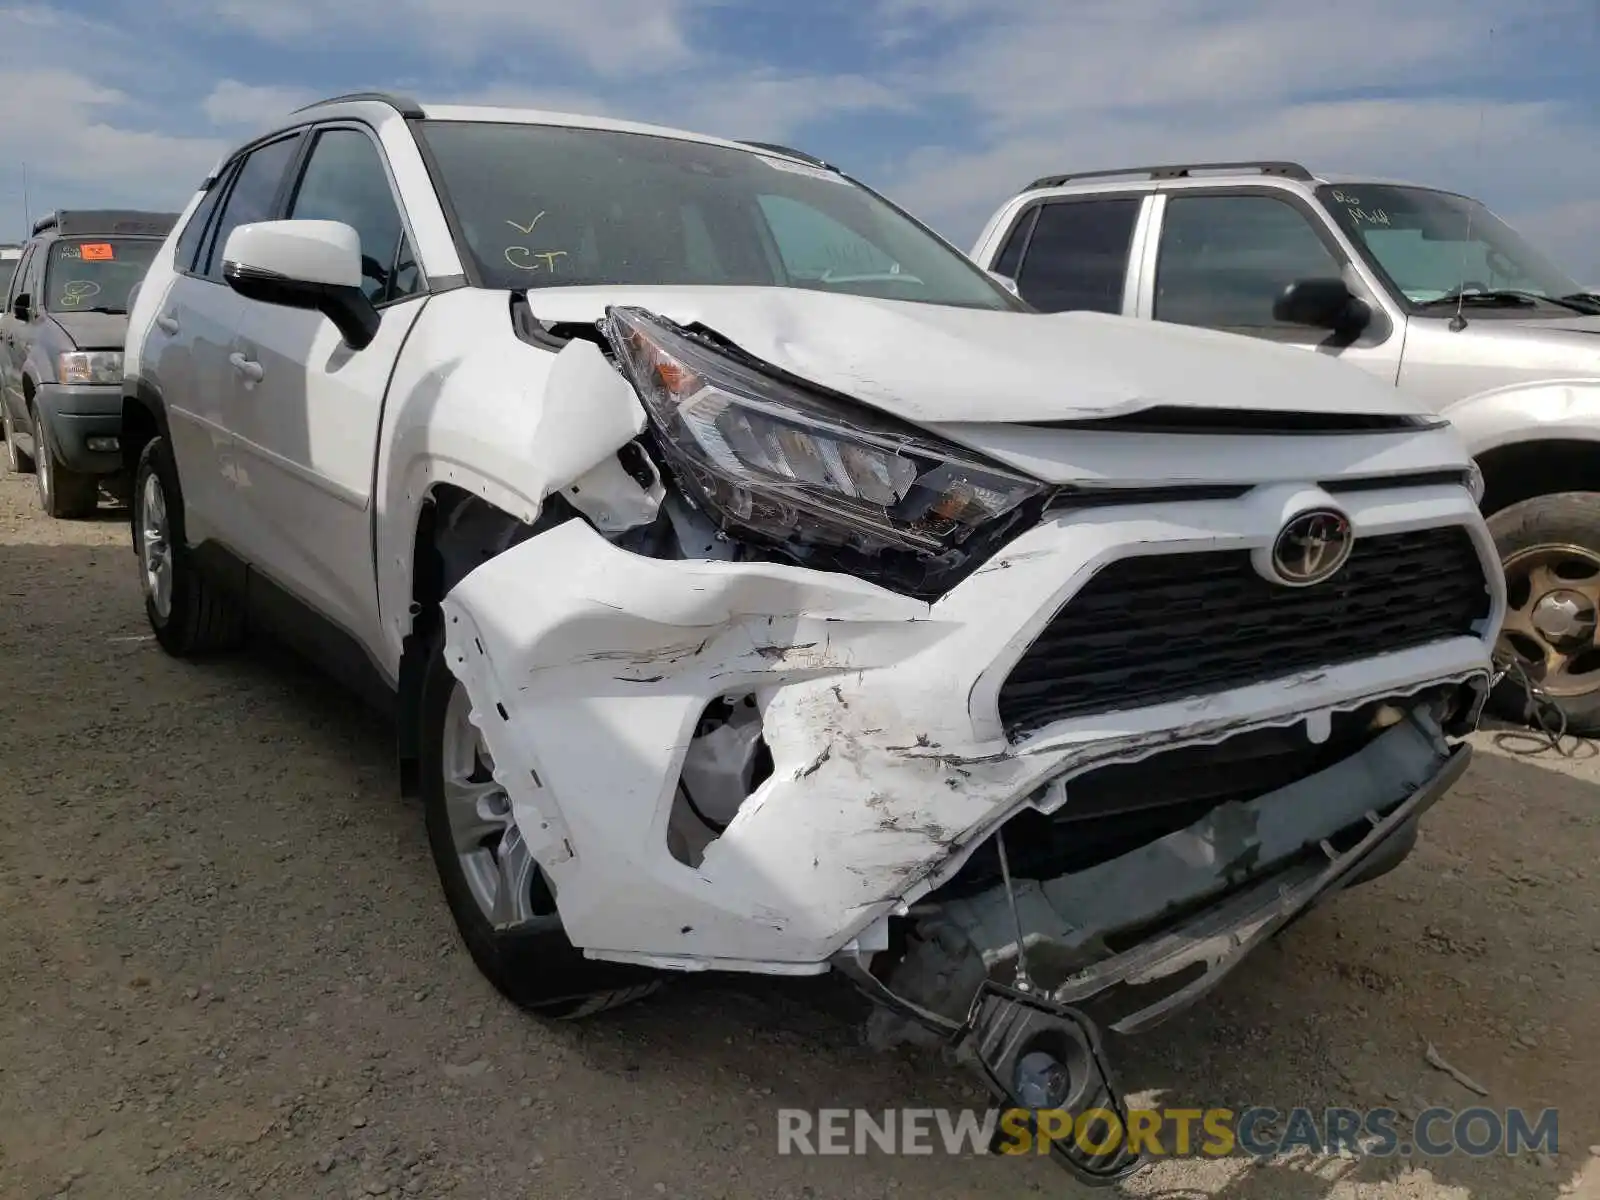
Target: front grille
(1153, 629)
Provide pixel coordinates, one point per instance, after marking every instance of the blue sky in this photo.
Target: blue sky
(948, 105)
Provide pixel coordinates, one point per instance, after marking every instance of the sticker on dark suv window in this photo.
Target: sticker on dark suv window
(98, 252)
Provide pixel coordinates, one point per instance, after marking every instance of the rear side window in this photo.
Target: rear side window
(252, 197)
(1224, 260)
(1077, 258)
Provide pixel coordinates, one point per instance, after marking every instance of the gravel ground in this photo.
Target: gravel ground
(224, 970)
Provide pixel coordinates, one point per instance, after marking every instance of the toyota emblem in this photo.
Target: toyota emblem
(1312, 547)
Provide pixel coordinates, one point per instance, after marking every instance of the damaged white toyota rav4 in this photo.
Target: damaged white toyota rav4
(760, 586)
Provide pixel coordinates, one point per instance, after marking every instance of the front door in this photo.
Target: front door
(308, 408)
(13, 340)
(1223, 258)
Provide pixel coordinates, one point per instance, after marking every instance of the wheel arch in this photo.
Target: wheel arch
(1520, 470)
(144, 418)
(455, 531)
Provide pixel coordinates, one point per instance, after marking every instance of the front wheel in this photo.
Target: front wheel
(63, 492)
(1550, 549)
(502, 905)
(190, 615)
(18, 462)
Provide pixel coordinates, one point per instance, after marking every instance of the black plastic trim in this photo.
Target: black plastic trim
(790, 152)
(273, 609)
(404, 105)
(1175, 419)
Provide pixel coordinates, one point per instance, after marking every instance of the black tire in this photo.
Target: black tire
(534, 966)
(1559, 519)
(201, 618)
(18, 462)
(63, 493)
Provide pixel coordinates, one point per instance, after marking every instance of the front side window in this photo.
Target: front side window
(95, 274)
(1434, 246)
(254, 192)
(1224, 261)
(19, 282)
(546, 206)
(345, 180)
(1077, 255)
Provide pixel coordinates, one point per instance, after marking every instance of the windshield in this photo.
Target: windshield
(1434, 245)
(546, 206)
(95, 274)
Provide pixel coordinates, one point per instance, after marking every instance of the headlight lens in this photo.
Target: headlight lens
(90, 366)
(785, 463)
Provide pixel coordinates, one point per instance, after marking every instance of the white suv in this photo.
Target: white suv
(760, 587)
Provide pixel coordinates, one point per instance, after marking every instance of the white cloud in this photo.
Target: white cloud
(235, 103)
(610, 37)
(772, 105)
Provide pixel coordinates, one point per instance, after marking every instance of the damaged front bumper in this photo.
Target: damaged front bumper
(1008, 1030)
(889, 762)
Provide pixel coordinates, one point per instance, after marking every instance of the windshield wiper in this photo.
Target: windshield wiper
(1496, 297)
(1515, 297)
(828, 276)
(83, 308)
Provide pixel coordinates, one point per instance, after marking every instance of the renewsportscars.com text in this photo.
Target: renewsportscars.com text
(1170, 1132)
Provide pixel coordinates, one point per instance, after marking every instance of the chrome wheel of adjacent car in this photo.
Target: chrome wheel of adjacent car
(155, 547)
(16, 461)
(1550, 551)
(44, 469)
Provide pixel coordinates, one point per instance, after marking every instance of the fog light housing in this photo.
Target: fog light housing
(104, 444)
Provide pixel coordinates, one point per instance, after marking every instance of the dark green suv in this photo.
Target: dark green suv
(61, 334)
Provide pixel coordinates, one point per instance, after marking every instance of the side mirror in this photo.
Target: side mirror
(313, 265)
(22, 307)
(1322, 304)
(1006, 282)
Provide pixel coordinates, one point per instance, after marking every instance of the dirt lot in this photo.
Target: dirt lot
(224, 970)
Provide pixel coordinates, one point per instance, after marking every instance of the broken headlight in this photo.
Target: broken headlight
(784, 463)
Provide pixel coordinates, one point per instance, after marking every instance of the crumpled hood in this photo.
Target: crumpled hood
(94, 331)
(931, 364)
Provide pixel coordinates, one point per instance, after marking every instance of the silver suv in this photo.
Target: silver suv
(1424, 288)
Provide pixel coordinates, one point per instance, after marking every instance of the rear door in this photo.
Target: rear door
(1222, 257)
(308, 408)
(1077, 253)
(195, 331)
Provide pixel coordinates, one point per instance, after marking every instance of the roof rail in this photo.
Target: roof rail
(404, 105)
(790, 152)
(1289, 170)
(86, 222)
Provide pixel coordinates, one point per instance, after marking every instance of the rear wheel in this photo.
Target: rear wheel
(63, 492)
(1550, 549)
(190, 615)
(491, 880)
